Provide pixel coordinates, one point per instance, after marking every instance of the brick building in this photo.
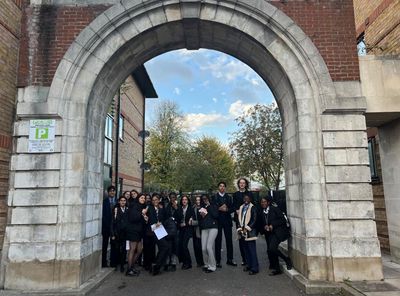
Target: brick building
(378, 26)
(10, 35)
(74, 55)
(133, 93)
(378, 35)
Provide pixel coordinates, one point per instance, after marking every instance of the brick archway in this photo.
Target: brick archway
(323, 129)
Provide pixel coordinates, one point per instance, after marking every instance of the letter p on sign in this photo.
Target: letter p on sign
(42, 133)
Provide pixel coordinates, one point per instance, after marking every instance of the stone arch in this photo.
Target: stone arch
(132, 32)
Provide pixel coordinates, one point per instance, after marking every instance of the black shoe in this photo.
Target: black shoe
(246, 268)
(252, 272)
(209, 270)
(132, 272)
(231, 263)
(165, 267)
(155, 270)
(244, 263)
(275, 272)
(219, 265)
(186, 267)
(172, 267)
(289, 264)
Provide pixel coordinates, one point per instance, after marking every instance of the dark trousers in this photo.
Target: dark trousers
(120, 252)
(241, 248)
(173, 249)
(250, 251)
(227, 229)
(164, 246)
(106, 240)
(149, 250)
(183, 251)
(197, 249)
(241, 241)
(273, 251)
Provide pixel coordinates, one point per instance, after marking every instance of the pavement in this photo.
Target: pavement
(227, 281)
(388, 287)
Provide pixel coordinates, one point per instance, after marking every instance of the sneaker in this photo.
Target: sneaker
(231, 263)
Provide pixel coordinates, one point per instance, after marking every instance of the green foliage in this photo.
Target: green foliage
(257, 145)
(177, 164)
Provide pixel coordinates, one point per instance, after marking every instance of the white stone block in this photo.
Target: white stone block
(351, 210)
(19, 234)
(33, 197)
(45, 252)
(34, 215)
(343, 122)
(21, 252)
(345, 139)
(69, 232)
(37, 179)
(349, 191)
(68, 251)
(355, 247)
(26, 162)
(347, 174)
(353, 228)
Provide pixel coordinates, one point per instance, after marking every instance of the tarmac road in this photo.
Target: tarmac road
(227, 281)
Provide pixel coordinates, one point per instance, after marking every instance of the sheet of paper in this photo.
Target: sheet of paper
(160, 232)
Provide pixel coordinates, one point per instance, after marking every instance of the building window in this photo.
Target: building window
(372, 159)
(121, 127)
(108, 143)
(361, 46)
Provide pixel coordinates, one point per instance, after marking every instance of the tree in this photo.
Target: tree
(205, 164)
(257, 145)
(167, 139)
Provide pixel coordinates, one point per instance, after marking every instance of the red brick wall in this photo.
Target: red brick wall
(49, 30)
(330, 25)
(10, 15)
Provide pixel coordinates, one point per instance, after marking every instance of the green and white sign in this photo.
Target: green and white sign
(42, 135)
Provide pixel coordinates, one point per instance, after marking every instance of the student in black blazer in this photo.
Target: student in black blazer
(225, 207)
(273, 225)
(197, 232)
(243, 186)
(108, 205)
(184, 220)
(157, 216)
(118, 230)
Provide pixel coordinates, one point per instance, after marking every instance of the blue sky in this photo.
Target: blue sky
(210, 87)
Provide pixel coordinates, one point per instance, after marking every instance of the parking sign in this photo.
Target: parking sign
(41, 135)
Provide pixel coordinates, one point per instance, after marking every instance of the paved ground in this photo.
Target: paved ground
(228, 281)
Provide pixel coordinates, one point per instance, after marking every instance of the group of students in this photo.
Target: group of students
(130, 222)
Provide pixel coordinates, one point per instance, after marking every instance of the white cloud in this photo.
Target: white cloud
(193, 122)
(177, 91)
(215, 100)
(238, 108)
(206, 83)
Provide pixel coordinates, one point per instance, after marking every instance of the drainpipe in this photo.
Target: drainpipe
(117, 142)
(143, 138)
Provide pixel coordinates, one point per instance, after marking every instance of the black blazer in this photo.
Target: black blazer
(211, 219)
(106, 219)
(179, 216)
(136, 222)
(153, 217)
(277, 220)
(120, 223)
(238, 201)
(224, 218)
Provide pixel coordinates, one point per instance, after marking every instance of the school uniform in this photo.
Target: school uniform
(118, 231)
(225, 226)
(237, 202)
(247, 219)
(197, 236)
(108, 206)
(280, 232)
(209, 232)
(183, 215)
